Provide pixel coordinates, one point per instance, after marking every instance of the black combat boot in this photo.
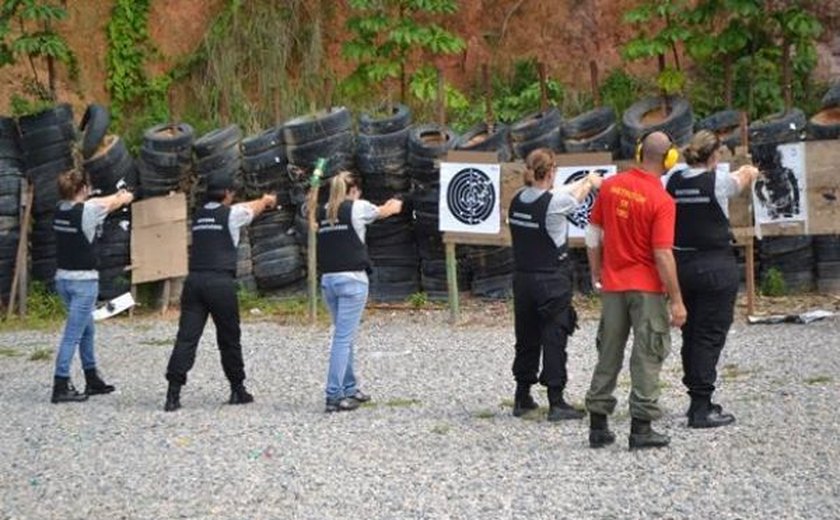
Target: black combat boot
(704, 414)
(599, 431)
(173, 397)
(643, 436)
(239, 395)
(94, 384)
(65, 392)
(522, 400)
(558, 408)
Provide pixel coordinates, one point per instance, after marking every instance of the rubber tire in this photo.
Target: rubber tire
(94, 124)
(496, 141)
(420, 145)
(169, 137)
(49, 135)
(551, 140)
(779, 128)
(589, 124)
(55, 116)
(678, 123)
(536, 125)
(337, 149)
(8, 128)
(48, 154)
(265, 140)
(399, 119)
(216, 140)
(832, 97)
(305, 129)
(819, 130)
(268, 159)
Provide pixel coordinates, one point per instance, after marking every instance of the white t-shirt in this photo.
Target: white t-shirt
(562, 203)
(239, 217)
(726, 186)
(362, 214)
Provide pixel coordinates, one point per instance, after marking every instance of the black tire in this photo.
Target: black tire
(535, 125)
(382, 144)
(399, 119)
(267, 159)
(170, 137)
(54, 116)
(497, 287)
(9, 223)
(480, 139)
(278, 261)
(9, 205)
(51, 169)
(723, 121)
(824, 125)
(779, 128)
(678, 123)
(10, 185)
(588, 124)
(606, 141)
(41, 156)
(216, 140)
(9, 148)
(316, 127)
(827, 248)
(265, 140)
(220, 160)
(8, 128)
(382, 164)
(111, 154)
(832, 97)
(94, 124)
(274, 243)
(431, 140)
(49, 135)
(337, 149)
(155, 159)
(550, 140)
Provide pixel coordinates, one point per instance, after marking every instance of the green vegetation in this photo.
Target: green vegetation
(27, 32)
(41, 354)
(441, 429)
(402, 403)
(10, 352)
(773, 283)
(485, 414)
(385, 34)
(818, 380)
(418, 300)
(44, 310)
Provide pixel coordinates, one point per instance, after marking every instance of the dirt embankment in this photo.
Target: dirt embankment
(565, 34)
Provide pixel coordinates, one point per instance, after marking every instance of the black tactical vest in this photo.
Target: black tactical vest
(73, 250)
(533, 248)
(701, 223)
(339, 247)
(212, 246)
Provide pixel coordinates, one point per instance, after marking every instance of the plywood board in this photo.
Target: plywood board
(822, 165)
(159, 235)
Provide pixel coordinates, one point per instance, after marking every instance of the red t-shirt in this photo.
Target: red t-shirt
(637, 216)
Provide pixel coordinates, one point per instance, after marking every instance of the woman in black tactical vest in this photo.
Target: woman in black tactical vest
(210, 289)
(706, 268)
(344, 264)
(542, 284)
(76, 223)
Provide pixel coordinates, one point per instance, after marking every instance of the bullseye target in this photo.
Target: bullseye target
(579, 218)
(469, 197)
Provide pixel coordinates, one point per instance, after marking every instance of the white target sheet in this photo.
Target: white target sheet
(564, 177)
(469, 198)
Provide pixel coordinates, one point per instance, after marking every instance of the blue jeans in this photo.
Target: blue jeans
(346, 298)
(79, 297)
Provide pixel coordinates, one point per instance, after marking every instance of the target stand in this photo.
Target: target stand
(469, 198)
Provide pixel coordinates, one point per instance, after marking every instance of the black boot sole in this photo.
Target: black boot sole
(600, 438)
(644, 442)
(76, 399)
(171, 407)
(703, 425)
(522, 412)
(99, 391)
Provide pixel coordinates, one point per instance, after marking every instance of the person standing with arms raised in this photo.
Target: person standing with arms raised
(706, 267)
(544, 317)
(210, 289)
(629, 243)
(76, 223)
(344, 264)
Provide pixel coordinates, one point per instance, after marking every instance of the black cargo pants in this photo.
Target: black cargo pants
(206, 293)
(709, 285)
(544, 319)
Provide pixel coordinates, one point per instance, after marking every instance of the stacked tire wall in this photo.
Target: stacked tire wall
(382, 162)
(11, 182)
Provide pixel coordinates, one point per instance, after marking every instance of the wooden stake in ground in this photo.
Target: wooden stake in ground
(593, 78)
(21, 259)
(312, 242)
(489, 119)
(749, 251)
(441, 99)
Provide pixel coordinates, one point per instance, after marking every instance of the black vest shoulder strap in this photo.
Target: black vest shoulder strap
(339, 247)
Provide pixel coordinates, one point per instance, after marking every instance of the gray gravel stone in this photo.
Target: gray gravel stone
(438, 440)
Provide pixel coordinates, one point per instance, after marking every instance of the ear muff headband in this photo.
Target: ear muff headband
(669, 160)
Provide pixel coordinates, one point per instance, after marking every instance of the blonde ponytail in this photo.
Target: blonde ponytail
(340, 186)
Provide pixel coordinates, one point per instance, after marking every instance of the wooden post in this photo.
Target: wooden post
(167, 294)
(750, 245)
(328, 92)
(489, 119)
(441, 98)
(452, 283)
(593, 78)
(312, 240)
(543, 87)
(19, 278)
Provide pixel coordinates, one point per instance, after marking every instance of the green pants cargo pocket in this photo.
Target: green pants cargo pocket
(659, 340)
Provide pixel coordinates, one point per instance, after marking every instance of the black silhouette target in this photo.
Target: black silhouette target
(471, 196)
(580, 217)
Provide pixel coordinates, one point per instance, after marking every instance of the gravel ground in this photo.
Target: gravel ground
(438, 440)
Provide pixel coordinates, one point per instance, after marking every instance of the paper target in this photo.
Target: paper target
(469, 197)
(566, 175)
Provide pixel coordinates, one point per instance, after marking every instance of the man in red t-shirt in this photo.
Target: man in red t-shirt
(629, 243)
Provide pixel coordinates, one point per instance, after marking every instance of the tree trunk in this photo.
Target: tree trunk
(786, 74)
(666, 108)
(727, 80)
